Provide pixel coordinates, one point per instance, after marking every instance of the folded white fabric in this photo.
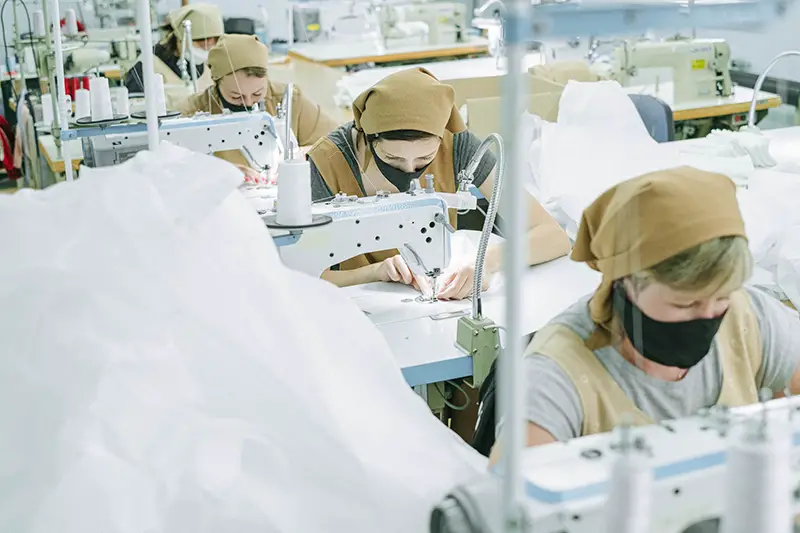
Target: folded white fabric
(751, 142)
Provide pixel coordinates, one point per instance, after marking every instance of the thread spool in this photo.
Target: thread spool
(38, 24)
(630, 494)
(294, 193)
(47, 109)
(121, 103)
(758, 483)
(83, 105)
(100, 98)
(160, 96)
(70, 22)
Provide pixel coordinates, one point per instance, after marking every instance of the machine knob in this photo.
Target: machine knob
(429, 188)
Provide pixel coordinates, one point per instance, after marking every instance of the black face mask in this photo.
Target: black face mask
(676, 344)
(397, 177)
(234, 108)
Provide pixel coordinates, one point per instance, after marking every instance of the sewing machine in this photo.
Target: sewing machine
(700, 67)
(123, 44)
(415, 223)
(331, 20)
(255, 134)
(446, 21)
(567, 483)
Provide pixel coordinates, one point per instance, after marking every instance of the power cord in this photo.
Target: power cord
(460, 389)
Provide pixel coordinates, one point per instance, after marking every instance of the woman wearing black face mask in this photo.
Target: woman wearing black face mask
(238, 65)
(671, 329)
(404, 127)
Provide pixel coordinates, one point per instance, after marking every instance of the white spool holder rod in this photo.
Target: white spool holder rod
(148, 70)
(518, 25)
(61, 91)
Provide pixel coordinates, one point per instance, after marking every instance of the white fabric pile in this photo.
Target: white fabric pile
(162, 372)
(600, 140)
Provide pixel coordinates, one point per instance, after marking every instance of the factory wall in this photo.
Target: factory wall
(757, 49)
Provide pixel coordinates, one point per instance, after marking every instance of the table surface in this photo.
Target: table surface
(354, 53)
(479, 67)
(738, 102)
(52, 154)
(485, 67)
(424, 343)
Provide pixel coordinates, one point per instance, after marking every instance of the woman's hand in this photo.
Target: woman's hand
(458, 284)
(396, 270)
(250, 175)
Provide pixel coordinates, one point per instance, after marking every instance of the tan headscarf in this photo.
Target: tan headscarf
(646, 220)
(206, 21)
(235, 52)
(412, 99)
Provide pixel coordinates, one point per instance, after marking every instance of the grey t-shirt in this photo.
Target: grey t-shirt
(552, 402)
(465, 144)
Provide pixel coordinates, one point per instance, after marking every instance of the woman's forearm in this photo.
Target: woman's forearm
(545, 243)
(357, 276)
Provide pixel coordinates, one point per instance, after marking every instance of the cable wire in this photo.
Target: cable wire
(460, 389)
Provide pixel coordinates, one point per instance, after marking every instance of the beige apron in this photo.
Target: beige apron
(338, 176)
(605, 404)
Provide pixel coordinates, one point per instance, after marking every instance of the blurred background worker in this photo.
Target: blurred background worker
(207, 28)
(238, 69)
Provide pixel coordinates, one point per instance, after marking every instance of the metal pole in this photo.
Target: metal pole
(148, 70)
(62, 113)
(516, 28)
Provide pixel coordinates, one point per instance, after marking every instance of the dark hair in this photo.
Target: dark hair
(254, 72)
(400, 135)
(170, 40)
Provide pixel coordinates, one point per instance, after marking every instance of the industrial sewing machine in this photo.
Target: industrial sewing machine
(255, 134)
(415, 223)
(331, 20)
(446, 21)
(700, 67)
(690, 465)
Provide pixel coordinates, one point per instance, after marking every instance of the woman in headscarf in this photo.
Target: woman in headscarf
(405, 126)
(671, 329)
(207, 28)
(238, 67)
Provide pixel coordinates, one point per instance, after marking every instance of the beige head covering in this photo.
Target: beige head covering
(646, 220)
(408, 100)
(206, 21)
(235, 52)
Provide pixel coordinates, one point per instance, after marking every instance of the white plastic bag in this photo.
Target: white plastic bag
(162, 372)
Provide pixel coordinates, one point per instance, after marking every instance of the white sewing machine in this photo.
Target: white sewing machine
(255, 134)
(446, 21)
(331, 20)
(700, 67)
(415, 223)
(567, 484)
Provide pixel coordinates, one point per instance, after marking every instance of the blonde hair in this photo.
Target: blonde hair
(722, 264)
